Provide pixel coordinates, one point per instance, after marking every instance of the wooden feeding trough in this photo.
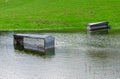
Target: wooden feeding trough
(34, 42)
(97, 26)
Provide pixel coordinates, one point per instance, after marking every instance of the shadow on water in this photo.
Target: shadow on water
(48, 53)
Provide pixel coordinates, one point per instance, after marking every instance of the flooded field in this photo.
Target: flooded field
(76, 56)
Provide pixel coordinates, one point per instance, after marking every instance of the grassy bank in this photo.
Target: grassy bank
(57, 14)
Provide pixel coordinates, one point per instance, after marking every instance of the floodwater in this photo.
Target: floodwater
(76, 56)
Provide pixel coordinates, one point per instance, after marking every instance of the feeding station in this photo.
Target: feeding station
(34, 42)
(97, 26)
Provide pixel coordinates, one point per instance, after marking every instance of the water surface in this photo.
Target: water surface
(76, 56)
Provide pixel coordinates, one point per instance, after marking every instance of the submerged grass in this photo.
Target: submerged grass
(57, 14)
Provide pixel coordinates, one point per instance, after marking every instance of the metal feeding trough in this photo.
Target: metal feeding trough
(34, 42)
(97, 26)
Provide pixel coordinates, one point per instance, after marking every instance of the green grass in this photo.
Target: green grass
(57, 14)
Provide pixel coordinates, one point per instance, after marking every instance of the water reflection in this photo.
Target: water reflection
(48, 52)
(103, 55)
(98, 32)
(98, 39)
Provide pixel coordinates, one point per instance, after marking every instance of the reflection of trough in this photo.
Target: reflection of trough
(50, 51)
(98, 32)
(97, 26)
(98, 38)
(39, 43)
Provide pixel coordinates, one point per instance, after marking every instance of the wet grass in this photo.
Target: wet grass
(57, 15)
